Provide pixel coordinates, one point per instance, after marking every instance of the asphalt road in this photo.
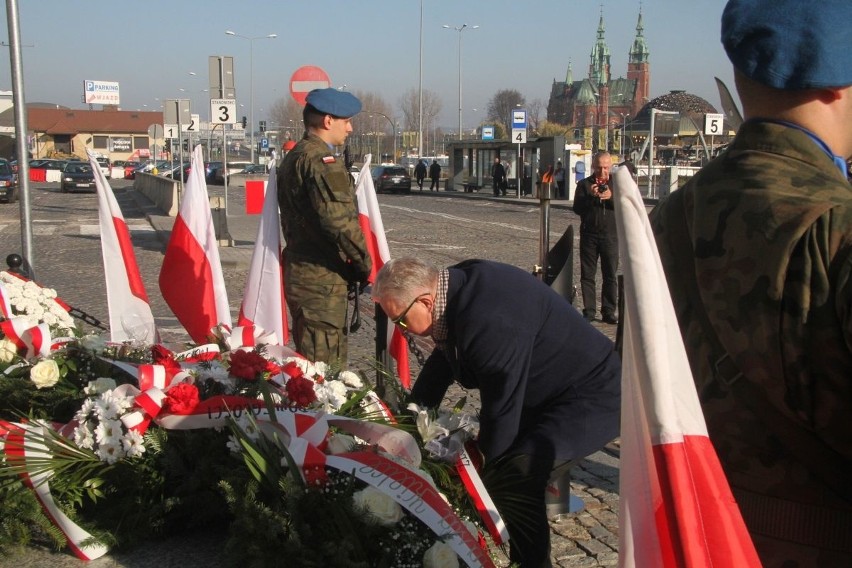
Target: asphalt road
(443, 228)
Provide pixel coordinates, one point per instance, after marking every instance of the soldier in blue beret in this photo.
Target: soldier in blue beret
(326, 250)
(757, 248)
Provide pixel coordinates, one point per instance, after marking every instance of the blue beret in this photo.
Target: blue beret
(331, 101)
(790, 44)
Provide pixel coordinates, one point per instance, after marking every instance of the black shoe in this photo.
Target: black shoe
(610, 319)
(588, 316)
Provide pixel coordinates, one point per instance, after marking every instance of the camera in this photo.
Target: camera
(602, 187)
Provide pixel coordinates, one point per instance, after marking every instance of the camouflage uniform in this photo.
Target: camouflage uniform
(325, 247)
(763, 235)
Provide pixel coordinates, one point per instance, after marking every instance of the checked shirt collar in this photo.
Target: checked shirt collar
(439, 319)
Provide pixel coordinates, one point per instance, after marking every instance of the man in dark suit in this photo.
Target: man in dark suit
(598, 239)
(550, 383)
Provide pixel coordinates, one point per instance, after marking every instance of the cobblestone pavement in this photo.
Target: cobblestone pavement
(67, 257)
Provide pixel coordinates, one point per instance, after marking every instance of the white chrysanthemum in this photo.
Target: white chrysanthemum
(86, 409)
(109, 432)
(321, 368)
(440, 555)
(108, 406)
(351, 380)
(132, 444)
(233, 445)
(49, 293)
(110, 452)
(84, 437)
(331, 394)
(31, 290)
(8, 351)
(217, 372)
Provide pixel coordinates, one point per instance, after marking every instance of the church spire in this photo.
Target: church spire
(599, 59)
(569, 76)
(639, 52)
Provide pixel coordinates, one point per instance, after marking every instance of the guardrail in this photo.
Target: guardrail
(161, 190)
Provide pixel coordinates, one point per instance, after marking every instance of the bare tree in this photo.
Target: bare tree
(372, 128)
(409, 104)
(534, 108)
(286, 116)
(502, 104)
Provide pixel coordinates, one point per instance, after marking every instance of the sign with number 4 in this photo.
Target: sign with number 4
(519, 135)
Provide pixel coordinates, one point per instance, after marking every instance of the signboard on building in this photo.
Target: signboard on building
(120, 144)
(100, 92)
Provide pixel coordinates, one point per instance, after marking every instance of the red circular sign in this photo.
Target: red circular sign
(305, 79)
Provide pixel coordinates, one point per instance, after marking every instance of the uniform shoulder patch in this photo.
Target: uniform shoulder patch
(328, 159)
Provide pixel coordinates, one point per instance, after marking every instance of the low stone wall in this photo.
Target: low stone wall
(161, 190)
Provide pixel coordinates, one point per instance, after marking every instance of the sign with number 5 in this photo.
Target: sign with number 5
(714, 124)
(223, 111)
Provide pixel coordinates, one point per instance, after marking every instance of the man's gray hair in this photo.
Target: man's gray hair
(402, 279)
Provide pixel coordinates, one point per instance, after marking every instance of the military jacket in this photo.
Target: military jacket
(763, 235)
(319, 214)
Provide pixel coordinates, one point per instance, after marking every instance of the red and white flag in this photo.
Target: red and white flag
(263, 304)
(676, 508)
(130, 317)
(370, 218)
(191, 278)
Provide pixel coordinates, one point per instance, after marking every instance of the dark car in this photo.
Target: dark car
(174, 169)
(391, 178)
(254, 169)
(210, 170)
(8, 182)
(77, 175)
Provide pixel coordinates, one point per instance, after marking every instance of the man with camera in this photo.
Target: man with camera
(598, 239)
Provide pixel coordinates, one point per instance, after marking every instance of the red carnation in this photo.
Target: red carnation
(182, 398)
(247, 365)
(292, 370)
(301, 391)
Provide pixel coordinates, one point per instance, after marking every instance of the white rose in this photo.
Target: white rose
(440, 555)
(381, 507)
(8, 351)
(45, 373)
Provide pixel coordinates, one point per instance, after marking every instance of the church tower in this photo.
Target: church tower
(599, 58)
(638, 68)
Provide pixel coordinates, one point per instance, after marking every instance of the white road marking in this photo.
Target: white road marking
(89, 230)
(426, 246)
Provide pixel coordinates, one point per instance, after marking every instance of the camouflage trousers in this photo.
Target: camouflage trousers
(318, 303)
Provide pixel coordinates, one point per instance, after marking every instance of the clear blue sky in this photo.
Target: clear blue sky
(150, 47)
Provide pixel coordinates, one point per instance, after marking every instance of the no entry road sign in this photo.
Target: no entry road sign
(305, 79)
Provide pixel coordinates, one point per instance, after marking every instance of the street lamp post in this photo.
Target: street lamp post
(251, 79)
(460, 29)
(393, 127)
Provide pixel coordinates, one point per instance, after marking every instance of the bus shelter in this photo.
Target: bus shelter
(470, 162)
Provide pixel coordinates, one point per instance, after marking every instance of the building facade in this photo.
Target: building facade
(598, 106)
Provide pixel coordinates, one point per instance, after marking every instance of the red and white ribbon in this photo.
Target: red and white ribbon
(22, 444)
(31, 340)
(481, 500)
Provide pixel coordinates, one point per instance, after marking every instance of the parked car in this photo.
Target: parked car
(77, 175)
(8, 182)
(210, 169)
(234, 167)
(174, 169)
(391, 178)
(254, 169)
(129, 166)
(104, 164)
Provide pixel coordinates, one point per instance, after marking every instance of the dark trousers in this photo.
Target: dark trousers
(420, 183)
(517, 485)
(436, 184)
(499, 186)
(603, 246)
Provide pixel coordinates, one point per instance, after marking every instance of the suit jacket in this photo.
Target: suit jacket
(550, 383)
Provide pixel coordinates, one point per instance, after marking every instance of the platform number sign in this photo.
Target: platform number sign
(194, 124)
(714, 124)
(223, 111)
(519, 135)
(171, 130)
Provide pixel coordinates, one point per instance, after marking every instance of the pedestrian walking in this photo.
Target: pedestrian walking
(435, 175)
(326, 249)
(498, 178)
(598, 239)
(420, 173)
(559, 178)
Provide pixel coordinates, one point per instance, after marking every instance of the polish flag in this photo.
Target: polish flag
(263, 304)
(191, 278)
(370, 219)
(676, 508)
(130, 317)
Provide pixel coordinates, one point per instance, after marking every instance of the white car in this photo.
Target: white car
(105, 166)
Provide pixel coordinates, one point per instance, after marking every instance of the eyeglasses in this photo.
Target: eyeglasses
(398, 320)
